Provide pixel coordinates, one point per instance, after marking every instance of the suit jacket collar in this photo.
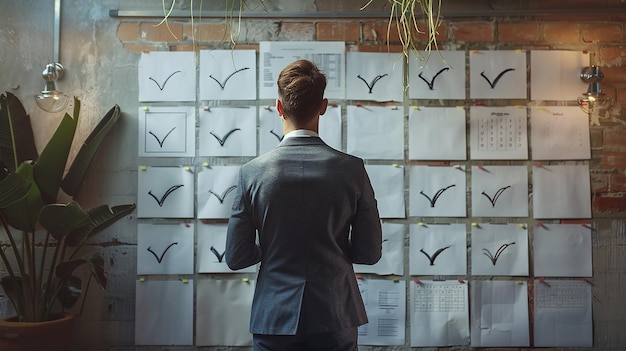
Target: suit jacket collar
(297, 141)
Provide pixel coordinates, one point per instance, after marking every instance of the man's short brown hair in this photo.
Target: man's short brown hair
(301, 90)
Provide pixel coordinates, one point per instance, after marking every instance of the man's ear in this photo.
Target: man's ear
(323, 106)
(279, 107)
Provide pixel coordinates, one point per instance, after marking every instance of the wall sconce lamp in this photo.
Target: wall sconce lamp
(594, 95)
(50, 98)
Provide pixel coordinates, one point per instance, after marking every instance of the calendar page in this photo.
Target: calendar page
(559, 133)
(498, 133)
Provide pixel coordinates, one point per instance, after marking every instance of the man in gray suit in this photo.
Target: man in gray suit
(315, 213)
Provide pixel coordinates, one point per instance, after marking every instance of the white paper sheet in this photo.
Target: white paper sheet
(374, 76)
(164, 312)
(167, 131)
(385, 303)
(227, 75)
(555, 74)
(330, 127)
(443, 77)
(437, 191)
(559, 133)
(375, 132)
(499, 191)
(392, 259)
(439, 313)
(437, 133)
(498, 133)
(388, 184)
(165, 192)
(212, 247)
(438, 249)
(499, 313)
(561, 191)
(167, 76)
(223, 312)
(562, 250)
(499, 249)
(228, 131)
(563, 315)
(165, 248)
(499, 74)
(270, 128)
(328, 55)
(216, 191)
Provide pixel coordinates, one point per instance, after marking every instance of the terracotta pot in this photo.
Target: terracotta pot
(54, 335)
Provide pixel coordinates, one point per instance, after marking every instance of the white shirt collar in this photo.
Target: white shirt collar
(300, 133)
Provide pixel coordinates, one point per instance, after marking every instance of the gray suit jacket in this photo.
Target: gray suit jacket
(316, 215)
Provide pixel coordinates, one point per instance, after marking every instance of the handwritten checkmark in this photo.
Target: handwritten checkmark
(161, 141)
(495, 81)
(220, 256)
(495, 196)
(434, 256)
(371, 84)
(222, 141)
(224, 194)
(494, 258)
(160, 258)
(437, 195)
(161, 200)
(431, 83)
(223, 84)
(161, 87)
(279, 137)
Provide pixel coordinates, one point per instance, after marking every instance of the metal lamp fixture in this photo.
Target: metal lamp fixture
(50, 98)
(594, 95)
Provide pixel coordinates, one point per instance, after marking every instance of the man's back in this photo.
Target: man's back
(305, 198)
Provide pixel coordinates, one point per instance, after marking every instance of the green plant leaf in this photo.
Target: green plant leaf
(60, 219)
(50, 166)
(101, 217)
(71, 290)
(95, 263)
(75, 175)
(17, 143)
(23, 213)
(13, 188)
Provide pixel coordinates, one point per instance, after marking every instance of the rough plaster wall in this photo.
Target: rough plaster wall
(101, 74)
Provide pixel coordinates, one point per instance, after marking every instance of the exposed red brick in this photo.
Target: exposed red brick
(618, 182)
(139, 48)
(602, 33)
(609, 203)
(293, 31)
(599, 183)
(614, 160)
(165, 33)
(561, 32)
(611, 56)
(208, 32)
(519, 32)
(614, 75)
(380, 31)
(477, 32)
(614, 138)
(127, 31)
(339, 31)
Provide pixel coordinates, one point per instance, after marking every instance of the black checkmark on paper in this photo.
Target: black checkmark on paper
(279, 137)
(223, 84)
(220, 256)
(224, 194)
(373, 82)
(434, 256)
(495, 196)
(160, 258)
(431, 83)
(161, 141)
(167, 193)
(437, 195)
(222, 141)
(161, 87)
(494, 258)
(495, 81)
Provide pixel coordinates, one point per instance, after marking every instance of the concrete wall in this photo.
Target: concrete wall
(101, 53)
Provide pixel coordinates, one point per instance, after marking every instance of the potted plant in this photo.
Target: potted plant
(44, 237)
